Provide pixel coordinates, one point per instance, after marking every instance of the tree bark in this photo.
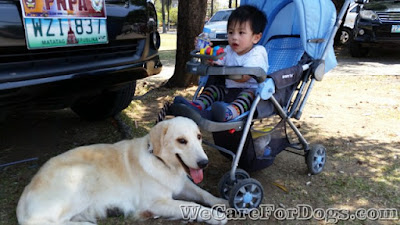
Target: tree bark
(212, 8)
(164, 30)
(191, 14)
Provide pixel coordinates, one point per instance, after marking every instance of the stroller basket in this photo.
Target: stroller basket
(249, 160)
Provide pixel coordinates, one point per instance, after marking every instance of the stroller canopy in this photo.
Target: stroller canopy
(313, 20)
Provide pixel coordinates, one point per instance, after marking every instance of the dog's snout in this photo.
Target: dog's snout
(203, 163)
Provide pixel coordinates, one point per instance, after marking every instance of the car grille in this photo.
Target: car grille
(389, 16)
(221, 36)
(90, 52)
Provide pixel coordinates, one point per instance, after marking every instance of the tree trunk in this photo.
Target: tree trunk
(168, 8)
(164, 30)
(212, 8)
(191, 16)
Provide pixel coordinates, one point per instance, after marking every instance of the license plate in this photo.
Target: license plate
(50, 33)
(395, 28)
(61, 23)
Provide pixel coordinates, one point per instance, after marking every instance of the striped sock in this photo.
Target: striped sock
(240, 105)
(210, 95)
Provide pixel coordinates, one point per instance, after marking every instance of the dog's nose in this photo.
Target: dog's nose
(203, 163)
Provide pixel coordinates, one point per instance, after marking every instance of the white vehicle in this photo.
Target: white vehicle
(346, 33)
(217, 24)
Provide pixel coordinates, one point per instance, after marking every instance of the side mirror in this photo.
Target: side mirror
(361, 1)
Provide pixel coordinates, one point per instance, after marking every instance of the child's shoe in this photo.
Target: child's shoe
(219, 111)
(223, 111)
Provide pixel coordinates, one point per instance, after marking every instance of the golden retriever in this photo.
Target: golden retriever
(142, 177)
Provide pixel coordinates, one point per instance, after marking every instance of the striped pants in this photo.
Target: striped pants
(215, 93)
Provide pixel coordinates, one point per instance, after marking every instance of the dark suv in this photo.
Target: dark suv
(84, 54)
(377, 25)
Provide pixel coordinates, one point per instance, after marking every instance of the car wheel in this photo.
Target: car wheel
(105, 105)
(356, 50)
(346, 36)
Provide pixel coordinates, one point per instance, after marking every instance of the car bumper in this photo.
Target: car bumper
(377, 34)
(16, 74)
(219, 39)
(26, 89)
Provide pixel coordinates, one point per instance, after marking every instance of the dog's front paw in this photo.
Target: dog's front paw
(222, 201)
(211, 216)
(218, 201)
(217, 217)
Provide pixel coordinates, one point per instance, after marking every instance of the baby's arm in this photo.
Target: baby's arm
(244, 79)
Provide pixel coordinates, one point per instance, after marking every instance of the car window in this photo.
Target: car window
(354, 10)
(221, 16)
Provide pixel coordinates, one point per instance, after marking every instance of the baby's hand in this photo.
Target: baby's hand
(244, 79)
(214, 63)
(196, 41)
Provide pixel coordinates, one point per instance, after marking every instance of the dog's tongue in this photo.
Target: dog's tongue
(197, 175)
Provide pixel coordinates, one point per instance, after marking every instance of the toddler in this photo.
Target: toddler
(245, 27)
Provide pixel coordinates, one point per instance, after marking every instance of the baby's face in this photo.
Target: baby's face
(241, 37)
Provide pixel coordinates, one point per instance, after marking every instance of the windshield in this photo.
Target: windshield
(221, 16)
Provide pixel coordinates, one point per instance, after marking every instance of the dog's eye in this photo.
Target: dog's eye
(199, 136)
(182, 141)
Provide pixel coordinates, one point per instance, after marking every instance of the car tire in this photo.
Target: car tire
(105, 105)
(346, 36)
(356, 50)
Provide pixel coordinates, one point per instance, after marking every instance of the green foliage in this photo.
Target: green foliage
(157, 4)
(173, 12)
(173, 15)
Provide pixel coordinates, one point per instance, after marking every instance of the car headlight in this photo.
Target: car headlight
(212, 34)
(368, 15)
(155, 39)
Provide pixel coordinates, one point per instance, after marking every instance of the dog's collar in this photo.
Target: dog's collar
(150, 150)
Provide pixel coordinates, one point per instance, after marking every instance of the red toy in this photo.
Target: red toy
(217, 50)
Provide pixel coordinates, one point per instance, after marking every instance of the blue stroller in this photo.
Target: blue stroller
(299, 41)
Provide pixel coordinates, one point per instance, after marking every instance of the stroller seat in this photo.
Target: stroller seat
(284, 51)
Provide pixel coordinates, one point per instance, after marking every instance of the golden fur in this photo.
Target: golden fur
(141, 177)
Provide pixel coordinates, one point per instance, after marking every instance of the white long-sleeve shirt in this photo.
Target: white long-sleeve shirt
(256, 57)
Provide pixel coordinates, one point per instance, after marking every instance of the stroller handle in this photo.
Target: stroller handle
(200, 69)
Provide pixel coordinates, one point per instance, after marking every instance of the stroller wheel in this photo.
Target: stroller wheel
(225, 184)
(246, 195)
(316, 159)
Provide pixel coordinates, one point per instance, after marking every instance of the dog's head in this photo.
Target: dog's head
(177, 142)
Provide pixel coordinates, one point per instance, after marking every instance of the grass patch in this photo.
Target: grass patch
(167, 57)
(168, 42)
(167, 49)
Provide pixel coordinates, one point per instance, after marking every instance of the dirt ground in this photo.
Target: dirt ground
(354, 112)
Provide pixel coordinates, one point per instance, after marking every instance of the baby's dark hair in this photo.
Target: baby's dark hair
(245, 13)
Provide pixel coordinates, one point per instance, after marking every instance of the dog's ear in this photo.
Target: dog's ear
(157, 134)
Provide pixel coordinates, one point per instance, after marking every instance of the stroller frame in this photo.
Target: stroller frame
(236, 179)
